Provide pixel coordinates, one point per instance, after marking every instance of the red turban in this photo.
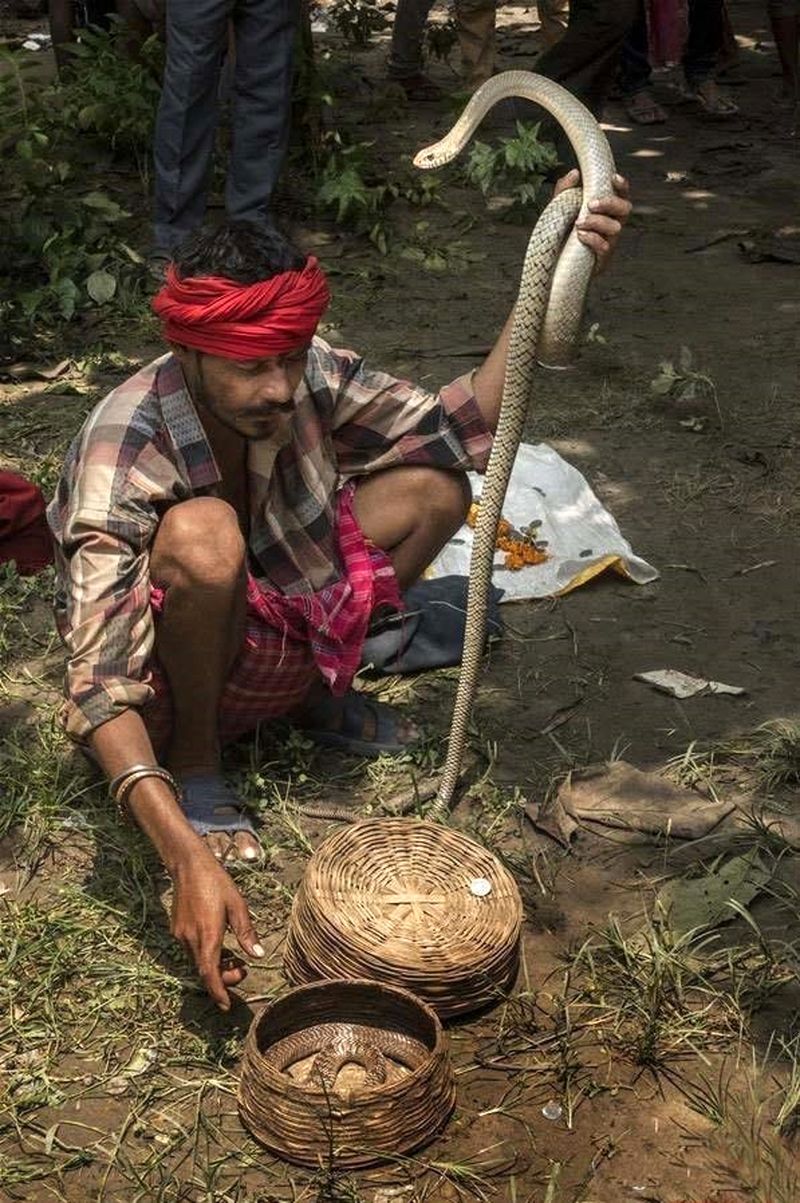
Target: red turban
(243, 321)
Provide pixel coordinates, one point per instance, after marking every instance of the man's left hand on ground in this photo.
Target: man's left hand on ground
(601, 228)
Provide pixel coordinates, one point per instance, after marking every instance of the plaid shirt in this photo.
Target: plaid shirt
(143, 449)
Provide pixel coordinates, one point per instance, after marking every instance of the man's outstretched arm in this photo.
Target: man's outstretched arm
(206, 902)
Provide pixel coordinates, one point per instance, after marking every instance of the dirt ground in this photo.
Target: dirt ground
(707, 490)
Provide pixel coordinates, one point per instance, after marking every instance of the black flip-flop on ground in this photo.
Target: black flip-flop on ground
(351, 711)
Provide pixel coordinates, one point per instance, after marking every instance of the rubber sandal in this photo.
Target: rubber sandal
(210, 805)
(717, 105)
(353, 708)
(419, 87)
(643, 109)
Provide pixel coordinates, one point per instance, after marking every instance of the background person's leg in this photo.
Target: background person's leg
(784, 17)
(635, 74)
(408, 31)
(554, 18)
(634, 62)
(261, 110)
(585, 60)
(706, 29)
(187, 117)
(701, 57)
(142, 19)
(475, 24)
(61, 14)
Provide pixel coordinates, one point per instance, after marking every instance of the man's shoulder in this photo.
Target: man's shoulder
(326, 363)
(126, 448)
(133, 406)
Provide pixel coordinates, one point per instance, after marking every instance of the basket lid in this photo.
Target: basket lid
(410, 901)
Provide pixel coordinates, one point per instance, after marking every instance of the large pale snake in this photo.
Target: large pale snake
(555, 278)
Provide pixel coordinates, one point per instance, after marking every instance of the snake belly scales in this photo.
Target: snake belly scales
(556, 272)
(334, 1045)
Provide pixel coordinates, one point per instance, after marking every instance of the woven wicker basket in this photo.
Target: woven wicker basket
(311, 1122)
(412, 903)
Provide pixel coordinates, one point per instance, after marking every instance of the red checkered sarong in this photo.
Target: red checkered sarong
(290, 642)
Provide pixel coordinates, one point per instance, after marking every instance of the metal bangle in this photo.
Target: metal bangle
(136, 774)
(117, 781)
(156, 771)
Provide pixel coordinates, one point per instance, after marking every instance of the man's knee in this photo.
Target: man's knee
(393, 505)
(443, 495)
(199, 542)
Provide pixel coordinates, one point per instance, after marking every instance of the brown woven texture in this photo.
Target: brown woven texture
(391, 899)
(350, 1123)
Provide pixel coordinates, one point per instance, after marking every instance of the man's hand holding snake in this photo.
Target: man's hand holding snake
(603, 225)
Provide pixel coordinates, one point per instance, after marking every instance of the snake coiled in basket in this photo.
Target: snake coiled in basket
(555, 277)
(330, 1046)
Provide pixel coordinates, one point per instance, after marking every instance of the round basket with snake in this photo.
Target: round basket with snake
(411, 903)
(345, 1072)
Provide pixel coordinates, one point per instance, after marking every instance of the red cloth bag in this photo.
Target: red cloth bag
(24, 535)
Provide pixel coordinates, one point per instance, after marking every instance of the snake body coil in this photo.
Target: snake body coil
(334, 1045)
(555, 278)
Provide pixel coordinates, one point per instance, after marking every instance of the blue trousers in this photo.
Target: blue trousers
(197, 37)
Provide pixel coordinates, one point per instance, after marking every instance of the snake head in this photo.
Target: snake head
(426, 158)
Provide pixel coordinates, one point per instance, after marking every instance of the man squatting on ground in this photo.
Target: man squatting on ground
(227, 521)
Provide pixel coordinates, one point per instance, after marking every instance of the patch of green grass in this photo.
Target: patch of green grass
(752, 1152)
(772, 753)
(43, 785)
(18, 594)
(657, 1001)
(767, 759)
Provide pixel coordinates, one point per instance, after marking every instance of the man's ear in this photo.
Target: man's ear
(180, 351)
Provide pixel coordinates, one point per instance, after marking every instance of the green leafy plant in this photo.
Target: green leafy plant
(61, 244)
(357, 20)
(111, 95)
(516, 167)
(683, 384)
(349, 189)
(345, 190)
(428, 250)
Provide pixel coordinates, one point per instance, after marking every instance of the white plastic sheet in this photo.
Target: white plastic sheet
(582, 536)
